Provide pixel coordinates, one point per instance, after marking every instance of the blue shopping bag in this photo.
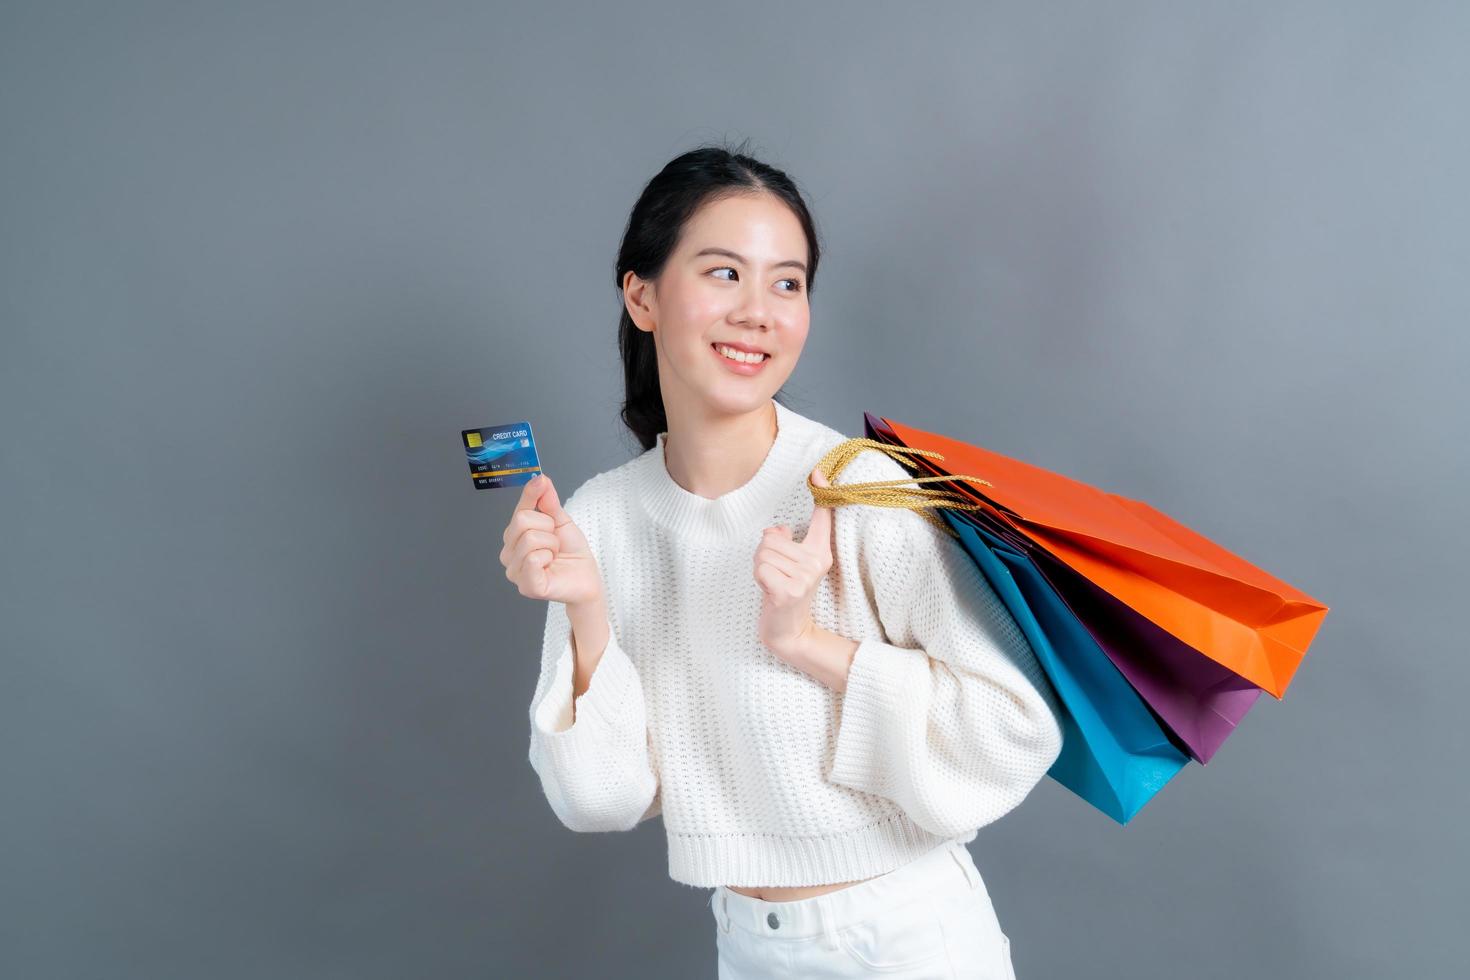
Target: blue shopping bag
(1115, 753)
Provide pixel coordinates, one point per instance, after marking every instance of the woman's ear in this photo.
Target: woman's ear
(641, 301)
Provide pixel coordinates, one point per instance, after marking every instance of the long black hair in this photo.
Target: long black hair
(673, 195)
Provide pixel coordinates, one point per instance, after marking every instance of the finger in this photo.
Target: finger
(819, 531)
(522, 521)
(532, 541)
(781, 544)
(790, 567)
(550, 503)
(773, 582)
(533, 572)
(538, 579)
(532, 491)
(780, 583)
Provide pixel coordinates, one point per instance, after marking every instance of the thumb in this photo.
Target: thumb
(819, 532)
(548, 502)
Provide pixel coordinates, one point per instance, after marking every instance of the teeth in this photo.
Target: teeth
(741, 356)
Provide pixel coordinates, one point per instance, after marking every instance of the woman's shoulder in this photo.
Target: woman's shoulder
(871, 526)
(864, 466)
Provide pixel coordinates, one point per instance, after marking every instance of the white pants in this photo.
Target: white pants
(931, 919)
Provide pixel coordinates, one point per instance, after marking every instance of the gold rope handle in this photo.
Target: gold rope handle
(889, 493)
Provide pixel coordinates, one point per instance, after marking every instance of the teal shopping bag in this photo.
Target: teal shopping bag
(1115, 754)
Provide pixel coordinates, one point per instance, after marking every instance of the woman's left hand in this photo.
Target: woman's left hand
(789, 573)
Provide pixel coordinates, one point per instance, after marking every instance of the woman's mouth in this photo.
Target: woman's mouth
(738, 361)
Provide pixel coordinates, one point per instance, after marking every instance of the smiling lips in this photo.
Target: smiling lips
(741, 362)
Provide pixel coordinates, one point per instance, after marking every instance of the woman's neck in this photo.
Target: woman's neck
(713, 455)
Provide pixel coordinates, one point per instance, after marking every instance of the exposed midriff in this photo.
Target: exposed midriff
(793, 894)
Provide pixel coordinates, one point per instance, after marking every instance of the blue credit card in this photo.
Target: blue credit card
(501, 455)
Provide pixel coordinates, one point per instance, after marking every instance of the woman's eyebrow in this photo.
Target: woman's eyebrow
(712, 250)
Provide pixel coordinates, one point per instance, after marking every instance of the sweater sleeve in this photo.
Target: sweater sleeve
(950, 715)
(595, 771)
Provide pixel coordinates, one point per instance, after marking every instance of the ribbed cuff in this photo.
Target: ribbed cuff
(613, 700)
(884, 683)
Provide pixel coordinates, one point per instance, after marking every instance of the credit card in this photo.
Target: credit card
(501, 455)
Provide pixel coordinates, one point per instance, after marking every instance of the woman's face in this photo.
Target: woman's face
(737, 276)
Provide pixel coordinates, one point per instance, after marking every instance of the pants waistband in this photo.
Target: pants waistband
(945, 870)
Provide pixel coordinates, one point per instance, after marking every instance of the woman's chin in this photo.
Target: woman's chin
(726, 399)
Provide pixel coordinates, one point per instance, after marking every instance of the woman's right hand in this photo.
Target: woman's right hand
(545, 554)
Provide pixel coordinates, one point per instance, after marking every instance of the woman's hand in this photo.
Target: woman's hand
(788, 574)
(545, 554)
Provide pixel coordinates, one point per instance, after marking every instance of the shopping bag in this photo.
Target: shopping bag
(1198, 700)
(1115, 754)
(1156, 640)
(1212, 600)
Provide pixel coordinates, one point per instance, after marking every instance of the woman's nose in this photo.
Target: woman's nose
(753, 308)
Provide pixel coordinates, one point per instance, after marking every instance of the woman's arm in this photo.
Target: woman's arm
(826, 656)
(590, 634)
(951, 715)
(589, 732)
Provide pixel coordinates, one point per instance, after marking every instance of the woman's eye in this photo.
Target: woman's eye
(795, 283)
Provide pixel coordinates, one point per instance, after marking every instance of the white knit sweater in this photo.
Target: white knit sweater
(766, 777)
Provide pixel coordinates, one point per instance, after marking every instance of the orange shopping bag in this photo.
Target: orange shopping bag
(1233, 612)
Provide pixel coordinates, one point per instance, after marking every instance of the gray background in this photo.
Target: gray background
(264, 682)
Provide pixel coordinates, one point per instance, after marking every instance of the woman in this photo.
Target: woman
(824, 704)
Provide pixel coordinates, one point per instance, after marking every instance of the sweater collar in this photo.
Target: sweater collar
(743, 510)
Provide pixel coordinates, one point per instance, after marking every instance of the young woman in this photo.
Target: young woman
(824, 704)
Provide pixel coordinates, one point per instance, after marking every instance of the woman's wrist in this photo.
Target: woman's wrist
(823, 655)
(590, 634)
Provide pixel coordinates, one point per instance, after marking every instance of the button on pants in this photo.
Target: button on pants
(931, 919)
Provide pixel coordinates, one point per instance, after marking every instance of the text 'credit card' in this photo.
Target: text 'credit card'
(501, 455)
